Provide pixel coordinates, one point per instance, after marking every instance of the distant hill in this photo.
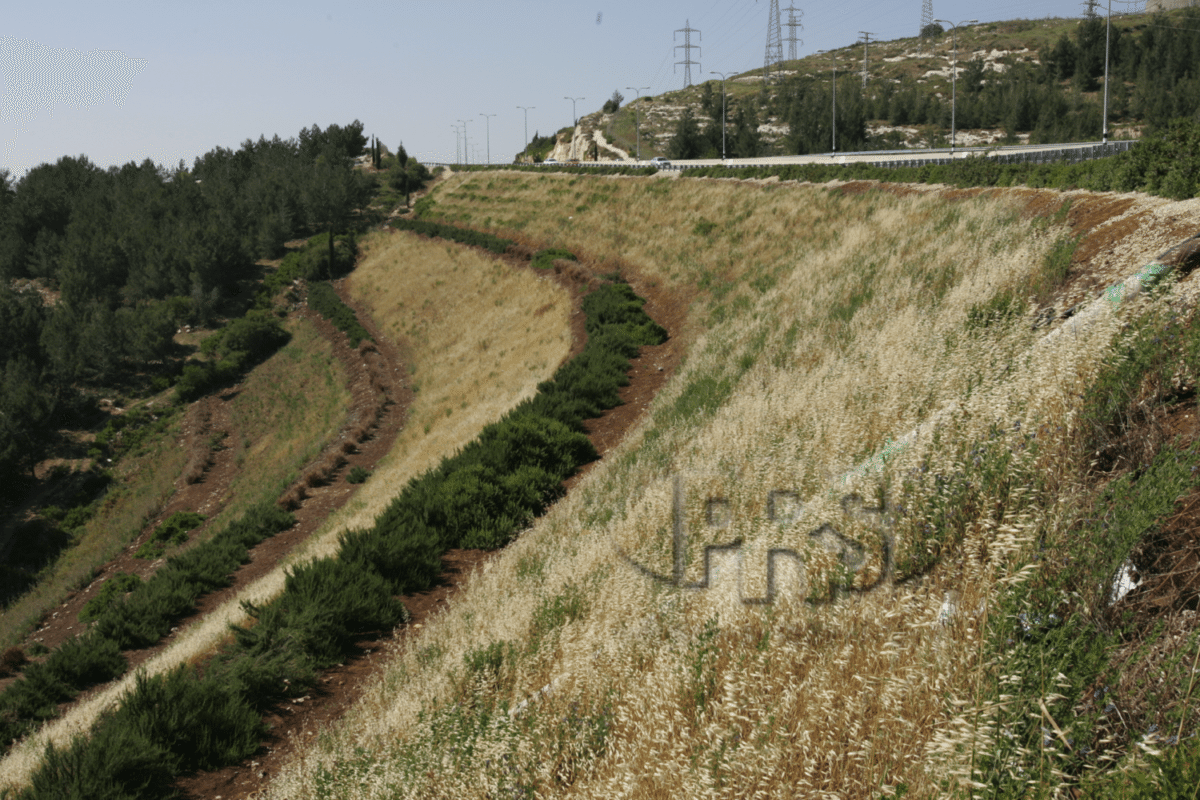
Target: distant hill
(1017, 81)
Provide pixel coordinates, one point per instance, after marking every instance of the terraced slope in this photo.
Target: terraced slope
(532, 318)
(772, 586)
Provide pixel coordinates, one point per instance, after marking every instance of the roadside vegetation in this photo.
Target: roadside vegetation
(814, 358)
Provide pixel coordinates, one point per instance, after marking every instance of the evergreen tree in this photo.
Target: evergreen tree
(687, 142)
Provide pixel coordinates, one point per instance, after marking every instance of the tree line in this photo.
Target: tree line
(98, 267)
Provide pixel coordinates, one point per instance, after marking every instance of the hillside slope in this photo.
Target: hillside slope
(460, 383)
(791, 577)
(1017, 80)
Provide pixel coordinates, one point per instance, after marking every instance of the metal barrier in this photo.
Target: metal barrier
(1018, 154)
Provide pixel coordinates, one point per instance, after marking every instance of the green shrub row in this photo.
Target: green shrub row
(34, 697)
(137, 620)
(544, 259)
(325, 301)
(237, 347)
(172, 532)
(480, 496)
(120, 584)
(465, 236)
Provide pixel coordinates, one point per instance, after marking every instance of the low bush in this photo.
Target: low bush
(544, 259)
(357, 475)
(34, 697)
(234, 349)
(325, 301)
(119, 584)
(137, 620)
(173, 531)
(326, 604)
(311, 262)
(466, 236)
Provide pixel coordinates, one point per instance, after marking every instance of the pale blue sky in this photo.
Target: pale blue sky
(170, 80)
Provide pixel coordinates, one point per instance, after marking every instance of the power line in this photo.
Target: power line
(687, 30)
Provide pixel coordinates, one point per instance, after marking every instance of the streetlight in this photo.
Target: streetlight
(527, 110)
(722, 74)
(833, 59)
(1107, 38)
(573, 117)
(488, 122)
(466, 157)
(954, 73)
(637, 122)
(457, 142)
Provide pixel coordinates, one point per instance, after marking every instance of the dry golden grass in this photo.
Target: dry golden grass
(636, 689)
(482, 337)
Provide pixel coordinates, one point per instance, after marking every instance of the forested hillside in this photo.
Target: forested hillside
(98, 267)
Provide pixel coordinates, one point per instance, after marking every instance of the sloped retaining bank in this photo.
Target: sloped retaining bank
(481, 496)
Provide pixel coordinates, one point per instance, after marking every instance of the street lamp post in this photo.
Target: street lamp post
(1107, 39)
(833, 58)
(488, 122)
(526, 109)
(457, 143)
(574, 119)
(954, 74)
(722, 74)
(466, 158)
(637, 122)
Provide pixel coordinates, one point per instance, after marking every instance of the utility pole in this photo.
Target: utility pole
(722, 74)
(573, 117)
(457, 144)
(1107, 39)
(792, 24)
(637, 112)
(488, 122)
(526, 109)
(866, 40)
(466, 158)
(774, 52)
(954, 74)
(687, 30)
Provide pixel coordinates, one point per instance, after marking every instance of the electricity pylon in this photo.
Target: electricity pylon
(774, 52)
(687, 30)
(792, 24)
